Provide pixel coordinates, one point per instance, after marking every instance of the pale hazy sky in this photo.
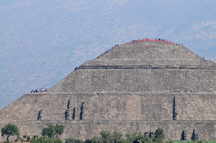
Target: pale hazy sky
(41, 41)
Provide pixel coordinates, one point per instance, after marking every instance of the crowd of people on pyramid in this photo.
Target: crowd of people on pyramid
(39, 90)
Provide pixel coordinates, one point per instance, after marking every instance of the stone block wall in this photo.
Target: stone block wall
(128, 106)
(139, 80)
(113, 106)
(123, 112)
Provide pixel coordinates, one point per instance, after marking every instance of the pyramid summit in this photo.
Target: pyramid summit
(138, 86)
(147, 52)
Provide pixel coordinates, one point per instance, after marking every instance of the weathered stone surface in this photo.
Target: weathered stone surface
(127, 89)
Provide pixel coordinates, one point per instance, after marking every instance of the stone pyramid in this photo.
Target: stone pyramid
(134, 87)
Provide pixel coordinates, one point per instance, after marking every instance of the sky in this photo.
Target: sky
(43, 41)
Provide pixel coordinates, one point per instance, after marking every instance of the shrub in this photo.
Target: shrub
(53, 131)
(49, 131)
(105, 137)
(59, 129)
(45, 140)
(137, 138)
(105, 134)
(116, 137)
(71, 140)
(159, 135)
(10, 130)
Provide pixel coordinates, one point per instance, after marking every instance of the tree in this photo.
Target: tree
(49, 131)
(45, 140)
(105, 136)
(135, 138)
(159, 135)
(53, 131)
(10, 130)
(71, 140)
(59, 129)
(116, 137)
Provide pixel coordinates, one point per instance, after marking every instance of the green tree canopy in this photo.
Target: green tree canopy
(59, 129)
(10, 130)
(45, 140)
(159, 135)
(53, 131)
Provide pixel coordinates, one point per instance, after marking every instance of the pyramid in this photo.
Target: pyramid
(134, 87)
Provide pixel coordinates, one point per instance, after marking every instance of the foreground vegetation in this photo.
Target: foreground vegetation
(52, 134)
